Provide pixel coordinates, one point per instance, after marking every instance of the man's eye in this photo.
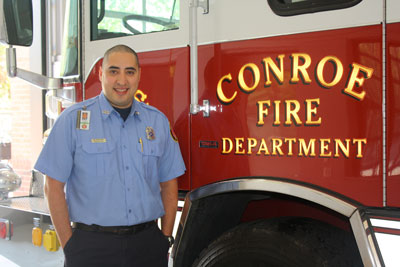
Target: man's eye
(130, 72)
(113, 72)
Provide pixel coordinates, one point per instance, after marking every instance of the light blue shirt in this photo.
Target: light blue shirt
(113, 170)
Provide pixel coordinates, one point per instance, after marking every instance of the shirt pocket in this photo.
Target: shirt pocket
(151, 153)
(100, 158)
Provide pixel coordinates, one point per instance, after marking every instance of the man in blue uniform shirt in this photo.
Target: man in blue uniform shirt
(119, 163)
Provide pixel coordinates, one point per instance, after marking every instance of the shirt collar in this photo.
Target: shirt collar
(136, 110)
(107, 109)
(105, 106)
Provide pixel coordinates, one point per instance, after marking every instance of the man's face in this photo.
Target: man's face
(119, 77)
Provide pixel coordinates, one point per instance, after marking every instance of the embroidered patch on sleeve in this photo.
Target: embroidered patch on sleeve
(173, 135)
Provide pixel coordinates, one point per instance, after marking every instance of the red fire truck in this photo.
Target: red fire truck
(285, 110)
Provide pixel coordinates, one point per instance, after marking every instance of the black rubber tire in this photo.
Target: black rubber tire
(282, 242)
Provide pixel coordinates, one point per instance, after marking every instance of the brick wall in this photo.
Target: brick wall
(5, 118)
(21, 131)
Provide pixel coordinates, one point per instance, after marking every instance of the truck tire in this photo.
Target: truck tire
(282, 242)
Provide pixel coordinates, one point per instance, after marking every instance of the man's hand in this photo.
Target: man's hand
(169, 196)
(54, 191)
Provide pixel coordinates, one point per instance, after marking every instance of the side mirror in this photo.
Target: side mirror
(16, 24)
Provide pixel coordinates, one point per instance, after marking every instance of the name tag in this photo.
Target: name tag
(99, 140)
(83, 119)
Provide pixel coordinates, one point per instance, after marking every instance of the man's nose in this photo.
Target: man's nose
(122, 80)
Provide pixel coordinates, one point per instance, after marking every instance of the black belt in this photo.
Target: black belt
(118, 230)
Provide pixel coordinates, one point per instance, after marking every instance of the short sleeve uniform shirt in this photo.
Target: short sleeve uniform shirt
(113, 168)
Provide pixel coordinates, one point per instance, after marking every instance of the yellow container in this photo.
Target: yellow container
(37, 233)
(37, 236)
(50, 240)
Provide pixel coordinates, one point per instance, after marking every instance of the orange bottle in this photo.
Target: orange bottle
(37, 232)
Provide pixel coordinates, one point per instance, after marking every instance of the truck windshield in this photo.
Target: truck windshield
(69, 63)
(114, 18)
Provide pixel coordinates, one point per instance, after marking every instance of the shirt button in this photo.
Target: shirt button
(130, 210)
(127, 167)
(129, 189)
(123, 126)
(125, 146)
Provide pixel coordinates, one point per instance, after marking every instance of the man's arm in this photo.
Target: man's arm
(54, 191)
(169, 196)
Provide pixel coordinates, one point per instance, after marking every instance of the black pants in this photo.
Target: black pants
(148, 248)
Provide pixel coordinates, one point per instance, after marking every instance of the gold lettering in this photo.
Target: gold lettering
(276, 146)
(263, 148)
(251, 143)
(312, 111)
(140, 96)
(220, 92)
(344, 148)
(277, 120)
(303, 147)
(300, 64)
(262, 112)
(287, 146)
(338, 73)
(226, 141)
(296, 68)
(325, 147)
(290, 142)
(357, 81)
(239, 146)
(292, 112)
(359, 146)
(256, 75)
(268, 62)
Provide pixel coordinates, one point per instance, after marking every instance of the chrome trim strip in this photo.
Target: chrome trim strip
(275, 186)
(365, 244)
(384, 115)
(181, 228)
(81, 46)
(193, 42)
